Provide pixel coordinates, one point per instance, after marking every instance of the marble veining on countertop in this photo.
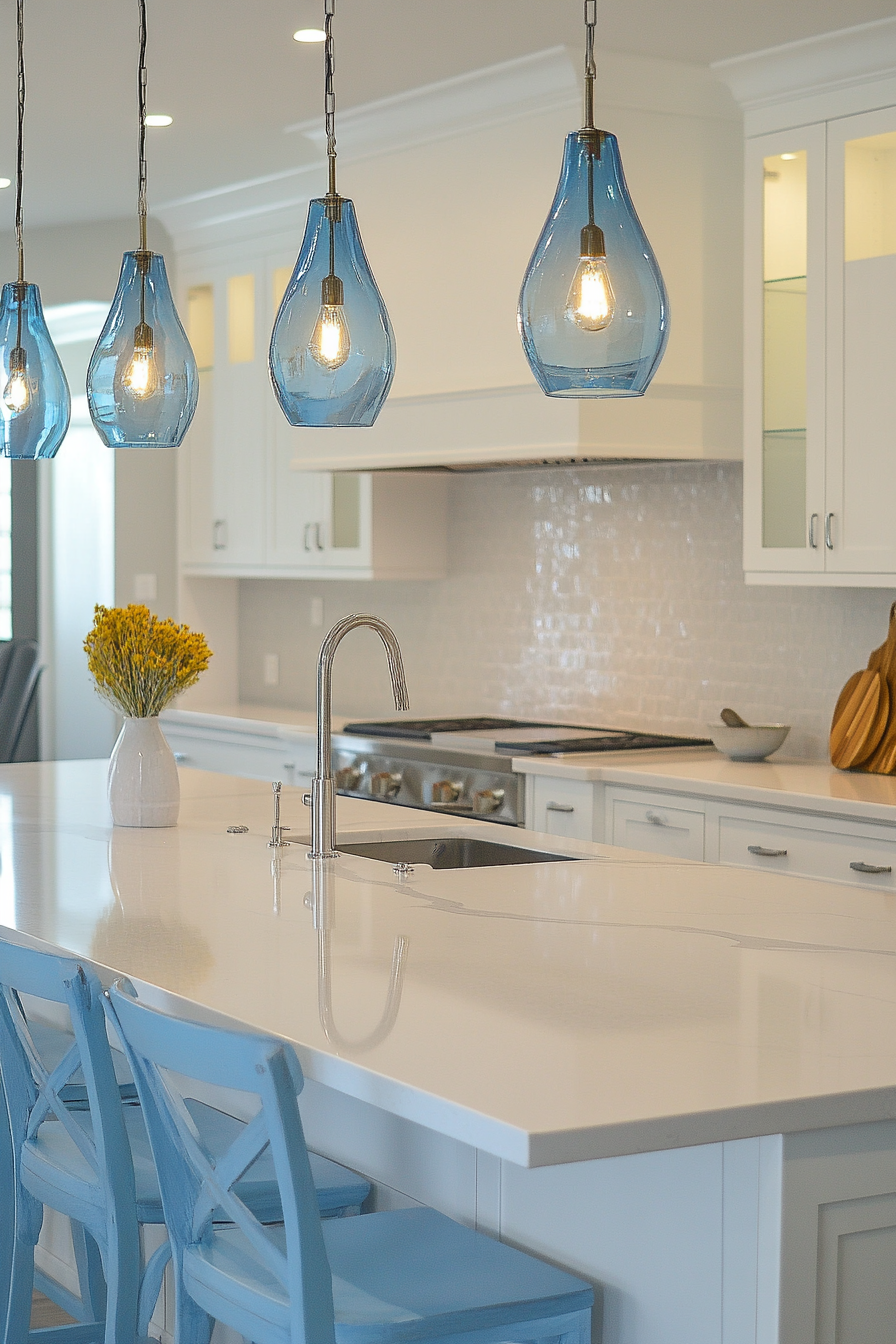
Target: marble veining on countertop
(544, 1013)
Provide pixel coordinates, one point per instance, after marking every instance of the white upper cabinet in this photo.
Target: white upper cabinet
(819, 298)
(245, 510)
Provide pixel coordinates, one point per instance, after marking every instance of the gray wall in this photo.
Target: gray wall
(609, 595)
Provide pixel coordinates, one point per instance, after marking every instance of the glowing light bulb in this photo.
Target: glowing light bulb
(17, 393)
(141, 377)
(591, 303)
(331, 340)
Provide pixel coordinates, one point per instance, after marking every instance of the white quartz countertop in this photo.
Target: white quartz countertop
(544, 1013)
(268, 720)
(778, 782)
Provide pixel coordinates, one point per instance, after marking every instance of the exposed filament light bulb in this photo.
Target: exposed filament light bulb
(141, 377)
(591, 303)
(17, 393)
(331, 341)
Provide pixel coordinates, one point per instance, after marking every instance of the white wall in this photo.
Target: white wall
(609, 595)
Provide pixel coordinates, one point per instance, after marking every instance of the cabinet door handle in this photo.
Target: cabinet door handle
(317, 537)
(655, 819)
(306, 536)
(765, 853)
(559, 807)
(828, 540)
(813, 538)
(871, 867)
(219, 534)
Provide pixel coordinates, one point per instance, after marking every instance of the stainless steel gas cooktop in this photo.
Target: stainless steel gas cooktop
(464, 765)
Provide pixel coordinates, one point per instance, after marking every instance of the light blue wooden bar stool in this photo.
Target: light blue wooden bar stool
(74, 1147)
(386, 1278)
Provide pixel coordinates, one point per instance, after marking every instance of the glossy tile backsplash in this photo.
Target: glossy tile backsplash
(605, 594)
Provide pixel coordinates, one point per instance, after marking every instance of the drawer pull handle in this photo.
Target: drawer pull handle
(871, 867)
(180, 757)
(765, 853)
(559, 807)
(656, 820)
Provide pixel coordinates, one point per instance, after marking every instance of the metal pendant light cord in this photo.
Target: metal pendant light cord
(333, 202)
(590, 72)
(590, 69)
(141, 126)
(20, 166)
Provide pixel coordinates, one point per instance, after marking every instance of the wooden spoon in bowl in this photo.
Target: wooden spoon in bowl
(732, 719)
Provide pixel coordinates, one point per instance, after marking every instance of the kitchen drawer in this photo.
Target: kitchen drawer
(810, 847)
(266, 759)
(649, 824)
(563, 807)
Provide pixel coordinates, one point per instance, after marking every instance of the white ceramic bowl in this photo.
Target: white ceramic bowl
(748, 744)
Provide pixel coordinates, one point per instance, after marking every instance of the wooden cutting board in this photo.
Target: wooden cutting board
(863, 731)
(860, 719)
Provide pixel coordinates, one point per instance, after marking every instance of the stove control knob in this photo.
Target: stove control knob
(385, 784)
(488, 800)
(348, 778)
(446, 791)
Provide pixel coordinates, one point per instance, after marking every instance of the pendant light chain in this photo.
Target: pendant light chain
(590, 69)
(141, 126)
(20, 143)
(330, 94)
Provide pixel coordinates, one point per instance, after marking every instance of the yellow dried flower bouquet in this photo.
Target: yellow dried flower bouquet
(140, 662)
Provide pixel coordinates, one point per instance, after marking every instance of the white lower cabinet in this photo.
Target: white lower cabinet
(243, 754)
(812, 846)
(656, 827)
(563, 807)
(776, 839)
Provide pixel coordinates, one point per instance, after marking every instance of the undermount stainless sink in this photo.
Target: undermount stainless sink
(453, 851)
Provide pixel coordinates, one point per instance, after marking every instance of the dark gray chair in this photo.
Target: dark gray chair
(19, 674)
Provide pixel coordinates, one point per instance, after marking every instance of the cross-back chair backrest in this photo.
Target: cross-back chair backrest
(36, 1088)
(167, 1054)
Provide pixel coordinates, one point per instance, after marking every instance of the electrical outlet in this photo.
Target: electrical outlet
(317, 611)
(146, 588)
(272, 669)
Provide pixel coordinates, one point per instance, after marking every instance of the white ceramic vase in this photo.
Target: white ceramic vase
(144, 789)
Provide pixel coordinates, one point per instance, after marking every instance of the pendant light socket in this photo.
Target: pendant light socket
(592, 139)
(592, 241)
(332, 291)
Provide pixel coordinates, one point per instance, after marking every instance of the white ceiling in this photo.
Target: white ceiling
(230, 74)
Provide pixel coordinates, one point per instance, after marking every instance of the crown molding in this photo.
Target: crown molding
(492, 96)
(814, 66)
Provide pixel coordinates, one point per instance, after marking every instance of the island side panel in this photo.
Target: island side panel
(680, 1245)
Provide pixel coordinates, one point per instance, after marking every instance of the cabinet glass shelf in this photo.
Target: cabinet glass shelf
(784, 351)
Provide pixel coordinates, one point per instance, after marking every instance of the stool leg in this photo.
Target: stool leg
(29, 1217)
(90, 1272)
(191, 1324)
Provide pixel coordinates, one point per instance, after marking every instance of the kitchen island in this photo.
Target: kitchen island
(677, 1079)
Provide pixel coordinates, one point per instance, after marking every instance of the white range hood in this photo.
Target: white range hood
(507, 425)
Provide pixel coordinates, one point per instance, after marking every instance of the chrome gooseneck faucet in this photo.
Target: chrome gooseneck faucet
(323, 786)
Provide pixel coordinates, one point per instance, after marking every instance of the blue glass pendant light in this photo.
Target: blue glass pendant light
(35, 404)
(332, 353)
(142, 381)
(593, 311)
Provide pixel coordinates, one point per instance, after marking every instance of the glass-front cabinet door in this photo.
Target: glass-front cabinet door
(861, 434)
(784, 368)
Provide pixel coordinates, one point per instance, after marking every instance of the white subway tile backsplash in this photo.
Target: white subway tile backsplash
(601, 594)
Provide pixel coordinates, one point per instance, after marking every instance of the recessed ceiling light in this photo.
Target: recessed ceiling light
(310, 35)
(788, 156)
(158, 119)
(5, 182)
